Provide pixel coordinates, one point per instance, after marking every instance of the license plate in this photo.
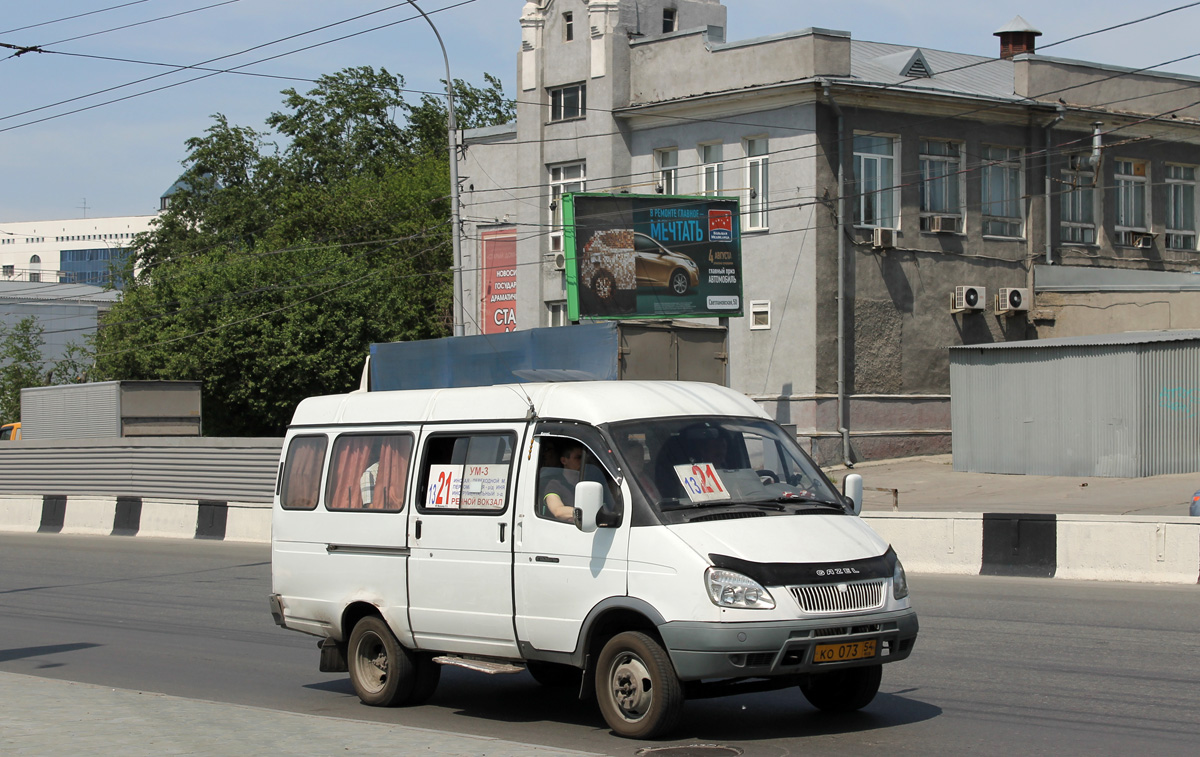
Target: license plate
(850, 650)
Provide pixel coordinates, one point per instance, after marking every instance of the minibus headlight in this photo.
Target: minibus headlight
(899, 581)
(729, 589)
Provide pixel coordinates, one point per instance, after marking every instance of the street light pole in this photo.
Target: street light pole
(452, 128)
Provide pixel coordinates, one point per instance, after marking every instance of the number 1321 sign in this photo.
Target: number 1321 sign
(701, 482)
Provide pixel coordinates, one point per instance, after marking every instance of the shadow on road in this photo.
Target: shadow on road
(7, 655)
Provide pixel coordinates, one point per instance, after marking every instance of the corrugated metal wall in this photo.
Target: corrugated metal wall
(237, 470)
(48, 414)
(1121, 410)
(1170, 380)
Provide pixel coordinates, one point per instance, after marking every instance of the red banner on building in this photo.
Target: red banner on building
(498, 281)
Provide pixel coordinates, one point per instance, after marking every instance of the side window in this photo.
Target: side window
(563, 462)
(369, 472)
(468, 473)
(302, 473)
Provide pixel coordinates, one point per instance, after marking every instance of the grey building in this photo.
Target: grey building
(889, 195)
(67, 313)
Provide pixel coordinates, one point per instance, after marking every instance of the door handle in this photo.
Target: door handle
(502, 525)
(545, 558)
(417, 530)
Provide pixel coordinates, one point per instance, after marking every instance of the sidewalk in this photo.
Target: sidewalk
(930, 484)
(40, 716)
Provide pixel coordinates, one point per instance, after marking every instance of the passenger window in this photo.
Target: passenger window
(369, 472)
(564, 462)
(302, 473)
(466, 473)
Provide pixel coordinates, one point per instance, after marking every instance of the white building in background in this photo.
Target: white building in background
(69, 251)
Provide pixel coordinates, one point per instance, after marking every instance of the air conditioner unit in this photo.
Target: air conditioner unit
(560, 261)
(969, 298)
(944, 224)
(1143, 241)
(1013, 300)
(883, 239)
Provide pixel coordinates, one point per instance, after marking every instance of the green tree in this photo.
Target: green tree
(20, 364)
(274, 269)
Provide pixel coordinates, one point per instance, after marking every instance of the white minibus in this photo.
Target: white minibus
(644, 542)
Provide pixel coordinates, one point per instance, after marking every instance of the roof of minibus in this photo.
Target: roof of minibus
(591, 402)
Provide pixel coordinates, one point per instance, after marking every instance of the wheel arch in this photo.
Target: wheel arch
(354, 612)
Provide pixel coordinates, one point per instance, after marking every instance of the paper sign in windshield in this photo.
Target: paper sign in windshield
(445, 486)
(484, 487)
(701, 482)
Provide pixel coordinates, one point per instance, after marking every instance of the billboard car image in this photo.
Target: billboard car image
(633, 256)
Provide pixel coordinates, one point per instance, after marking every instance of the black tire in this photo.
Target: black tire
(381, 669)
(604, 286)
(636, 686)
(843, 690)
(428, 673)
(553, 675)
(680, 282)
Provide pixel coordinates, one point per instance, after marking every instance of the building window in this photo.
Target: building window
(1001, 177)
(760, 315)
(10, 271)
(556, 313)
(669, 18)
(1181, 207)
(941, 186)
(711, 175)
(876, 200)
(568, 27)
(667, 165)
(563, 179)
(568, 102)
(757, 175)
(1077, 208)
(1133, 210)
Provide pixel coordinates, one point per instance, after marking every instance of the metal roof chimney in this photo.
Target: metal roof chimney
(1016, 37)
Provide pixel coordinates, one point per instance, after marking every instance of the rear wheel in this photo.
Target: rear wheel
(639, 693)
(843, 690)
(381, 669)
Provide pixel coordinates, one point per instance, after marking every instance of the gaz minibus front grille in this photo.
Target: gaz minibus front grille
(840, 597)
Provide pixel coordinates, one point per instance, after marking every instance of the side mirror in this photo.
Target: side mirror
(589, 498)
(852, 488)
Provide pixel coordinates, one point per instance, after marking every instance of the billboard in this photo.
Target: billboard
(498, 286)
(650, 256)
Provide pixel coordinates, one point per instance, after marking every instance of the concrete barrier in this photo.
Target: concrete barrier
(1085, 547)
(1162, 550)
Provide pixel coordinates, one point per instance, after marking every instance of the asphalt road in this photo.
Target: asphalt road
(1003, 666)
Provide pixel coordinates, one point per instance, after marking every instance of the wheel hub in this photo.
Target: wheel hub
(632, 689)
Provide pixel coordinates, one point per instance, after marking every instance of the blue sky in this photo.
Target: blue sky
(120, 157)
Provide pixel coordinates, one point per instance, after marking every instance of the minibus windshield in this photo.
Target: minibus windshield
(692, 463)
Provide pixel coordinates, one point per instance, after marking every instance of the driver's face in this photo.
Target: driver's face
(572, 459)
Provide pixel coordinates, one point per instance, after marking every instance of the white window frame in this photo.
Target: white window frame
(757, 308)
(558, 107)
(758, 183)
(1078, 192)
(1011, 164)
(666, 167)
(568, 26)
(880, 163)
(1131, 178)
(556, 313)
(1178, 237)
(712, 170)
(560, 185)
(670, 20)
(949, 174)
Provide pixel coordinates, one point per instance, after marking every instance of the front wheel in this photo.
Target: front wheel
(843, 690)
(381, 669)
(680, 282)
(639, 693)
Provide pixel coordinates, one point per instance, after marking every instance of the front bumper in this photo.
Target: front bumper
(781, 648)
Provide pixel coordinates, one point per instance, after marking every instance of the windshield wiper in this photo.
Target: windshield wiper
(799, 499)
(675, 504)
